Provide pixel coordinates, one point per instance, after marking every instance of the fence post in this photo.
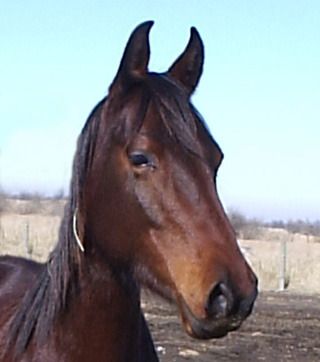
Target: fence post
(283, 264)
(27, 240)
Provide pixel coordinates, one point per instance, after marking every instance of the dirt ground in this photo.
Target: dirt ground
(283, 327)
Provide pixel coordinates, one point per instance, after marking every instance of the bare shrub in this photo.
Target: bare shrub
(31, 207)
(303, 227)
(27, 203)
(55, 207)
(245, 228)
(59, 194)
(252, 230)
(26, 195)
(237, 219)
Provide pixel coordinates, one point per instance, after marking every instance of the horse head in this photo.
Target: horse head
(149, 205)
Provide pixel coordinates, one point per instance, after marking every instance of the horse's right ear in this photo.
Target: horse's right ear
(135, 59)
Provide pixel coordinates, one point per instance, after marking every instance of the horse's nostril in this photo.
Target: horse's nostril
(219, 302)
(246, 304)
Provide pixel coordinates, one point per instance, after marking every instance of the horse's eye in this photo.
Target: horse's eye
(140, 159)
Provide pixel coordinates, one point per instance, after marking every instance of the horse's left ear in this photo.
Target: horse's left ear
(187, 68)
(135, 59)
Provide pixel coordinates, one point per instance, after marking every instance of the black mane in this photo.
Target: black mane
(59, 277)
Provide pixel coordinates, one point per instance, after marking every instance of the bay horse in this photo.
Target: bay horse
(143, 211)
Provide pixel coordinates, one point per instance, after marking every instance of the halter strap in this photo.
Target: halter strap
(75, 231)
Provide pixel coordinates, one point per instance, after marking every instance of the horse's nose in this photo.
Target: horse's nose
(246, 304)
(220, 301)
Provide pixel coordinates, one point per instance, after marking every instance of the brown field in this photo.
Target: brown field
(284, 326)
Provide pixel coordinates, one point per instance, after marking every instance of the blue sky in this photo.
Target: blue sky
(259, 93)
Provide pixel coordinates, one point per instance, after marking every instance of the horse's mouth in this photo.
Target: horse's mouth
(207, 328)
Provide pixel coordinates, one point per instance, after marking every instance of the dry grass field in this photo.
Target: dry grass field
(303, 266)
(30, 229)
(28, 235)
(283, 327)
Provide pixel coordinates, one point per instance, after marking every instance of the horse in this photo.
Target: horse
(143, 212)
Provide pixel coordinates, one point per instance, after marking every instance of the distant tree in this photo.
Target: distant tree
(59, 194)
(249, 228)
(245, 228)
(276, 224)
(237, 219)
(28, 195)
(304, 227)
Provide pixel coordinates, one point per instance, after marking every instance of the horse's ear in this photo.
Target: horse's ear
(187, 68)
(135, 59)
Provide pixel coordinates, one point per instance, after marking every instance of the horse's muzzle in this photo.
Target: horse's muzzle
(224, 313)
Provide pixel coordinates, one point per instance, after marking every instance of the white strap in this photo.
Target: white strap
(75, 232)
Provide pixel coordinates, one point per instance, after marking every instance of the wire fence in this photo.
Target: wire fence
(281, 261)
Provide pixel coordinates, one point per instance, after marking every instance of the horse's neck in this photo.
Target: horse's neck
(104, 319)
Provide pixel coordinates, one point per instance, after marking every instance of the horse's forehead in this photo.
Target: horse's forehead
(159, 108)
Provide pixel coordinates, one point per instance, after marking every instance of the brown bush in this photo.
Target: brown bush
(245, 228)
(303, 227)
